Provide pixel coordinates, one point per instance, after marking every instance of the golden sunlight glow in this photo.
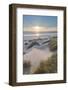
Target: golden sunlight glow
(37, 34)
(37, 29)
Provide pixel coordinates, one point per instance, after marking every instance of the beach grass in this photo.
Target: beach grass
(45, 66)
(53, 44)
(49, 66)
(26, 67)
(26, 64)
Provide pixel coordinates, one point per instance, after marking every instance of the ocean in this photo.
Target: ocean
(33, 35)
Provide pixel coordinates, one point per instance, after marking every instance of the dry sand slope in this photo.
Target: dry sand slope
(37, 55)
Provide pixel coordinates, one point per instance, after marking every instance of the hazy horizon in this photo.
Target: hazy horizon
(33, 23)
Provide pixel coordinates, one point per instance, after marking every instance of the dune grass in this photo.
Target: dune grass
(49, 66)
(53, 44)
(26, 64)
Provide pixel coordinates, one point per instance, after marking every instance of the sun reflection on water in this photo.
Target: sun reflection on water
(37, 34)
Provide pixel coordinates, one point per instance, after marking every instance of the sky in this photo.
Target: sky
(39, 23)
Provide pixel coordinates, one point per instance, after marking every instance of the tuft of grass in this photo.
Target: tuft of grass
(26, 64)
(49, 66)
(53, 44)
(26, 67)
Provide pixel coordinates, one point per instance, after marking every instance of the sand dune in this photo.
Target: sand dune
(37, 55)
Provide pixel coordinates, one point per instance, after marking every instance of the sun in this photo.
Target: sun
(37, 29)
